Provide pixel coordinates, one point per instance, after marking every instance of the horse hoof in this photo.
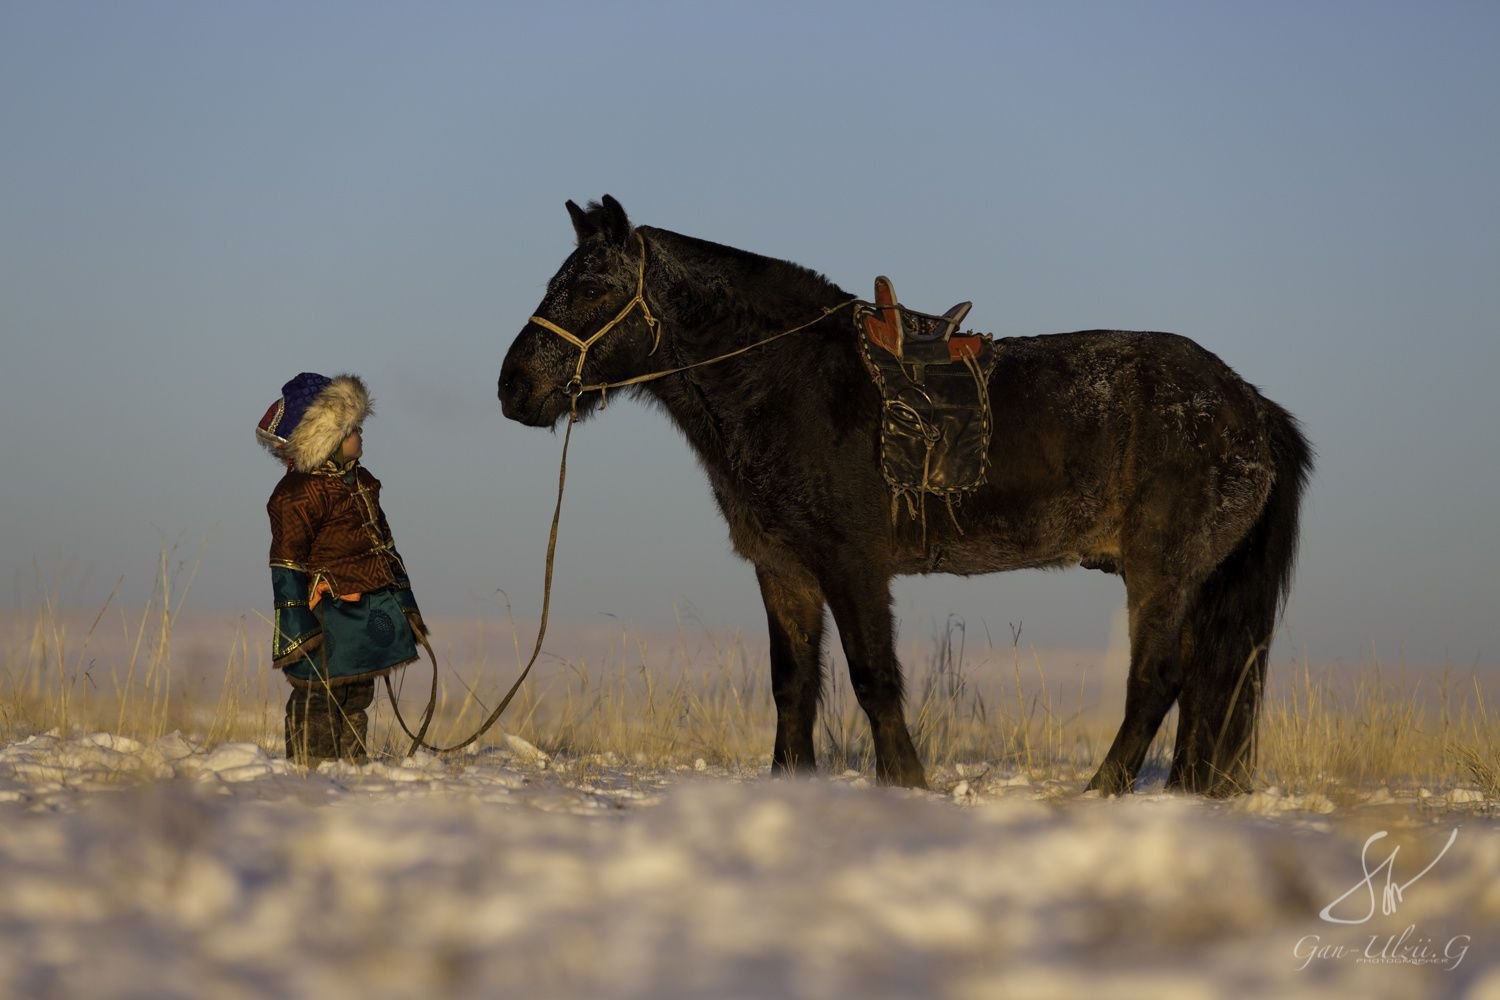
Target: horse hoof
(1109, 784)
(907, 779)
(798, 768)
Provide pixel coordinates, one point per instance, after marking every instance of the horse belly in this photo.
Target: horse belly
(1048, 533)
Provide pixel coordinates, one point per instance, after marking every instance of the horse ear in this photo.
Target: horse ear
(615, 226)
(581, 224)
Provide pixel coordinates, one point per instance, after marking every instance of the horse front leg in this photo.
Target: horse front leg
(794, 615)
(860, 599)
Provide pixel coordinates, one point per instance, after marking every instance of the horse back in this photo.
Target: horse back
(1094, 430)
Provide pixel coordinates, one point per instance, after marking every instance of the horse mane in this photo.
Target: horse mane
(783, 283)
(751, 288)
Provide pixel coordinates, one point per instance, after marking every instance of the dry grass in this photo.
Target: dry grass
(1323, 736)
(712, 701)
(51, 681)
(992, 707)
(1321, 733)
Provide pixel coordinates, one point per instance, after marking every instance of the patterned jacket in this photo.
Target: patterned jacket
(327, 527)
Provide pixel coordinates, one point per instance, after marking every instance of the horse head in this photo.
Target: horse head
(592, 327)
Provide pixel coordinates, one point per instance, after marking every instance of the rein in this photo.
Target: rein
(604, 387)
(576, 388)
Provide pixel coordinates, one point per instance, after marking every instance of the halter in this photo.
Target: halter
(575, 384)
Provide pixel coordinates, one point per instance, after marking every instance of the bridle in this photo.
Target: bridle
(575, 385)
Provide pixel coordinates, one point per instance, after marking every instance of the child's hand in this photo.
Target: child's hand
(319, 589)
(323, 588)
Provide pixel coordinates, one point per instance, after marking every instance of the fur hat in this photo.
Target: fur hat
(312, 418)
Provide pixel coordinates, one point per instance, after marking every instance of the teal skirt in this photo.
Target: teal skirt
(363, 638)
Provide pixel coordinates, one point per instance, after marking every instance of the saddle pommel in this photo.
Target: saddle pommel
(891, 324)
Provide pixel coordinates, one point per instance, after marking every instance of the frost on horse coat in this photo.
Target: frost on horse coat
(1141, 454)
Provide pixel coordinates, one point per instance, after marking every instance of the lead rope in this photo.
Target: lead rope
(419, 738)
(427, 713)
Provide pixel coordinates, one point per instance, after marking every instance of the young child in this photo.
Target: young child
(345, 613)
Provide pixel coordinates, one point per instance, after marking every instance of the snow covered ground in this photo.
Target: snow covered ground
(174, 870)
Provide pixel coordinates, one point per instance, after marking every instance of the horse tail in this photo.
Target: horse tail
(1227, 634)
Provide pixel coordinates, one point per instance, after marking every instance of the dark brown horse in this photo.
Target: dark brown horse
(1140, 454)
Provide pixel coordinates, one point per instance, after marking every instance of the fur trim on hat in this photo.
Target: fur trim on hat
(333, 416)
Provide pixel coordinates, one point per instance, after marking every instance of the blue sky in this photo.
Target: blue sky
(198, 201)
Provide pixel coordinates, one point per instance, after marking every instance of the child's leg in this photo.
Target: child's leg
(311, 730)
(352, 722)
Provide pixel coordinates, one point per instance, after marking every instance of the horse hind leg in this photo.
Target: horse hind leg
(1226, 640)
(794, 616)
(1225, 643)
(1215, 749)
(1154, 682)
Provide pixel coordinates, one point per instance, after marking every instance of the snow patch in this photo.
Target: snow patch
(224, 870)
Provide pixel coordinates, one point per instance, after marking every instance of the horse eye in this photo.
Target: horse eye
(590, 289)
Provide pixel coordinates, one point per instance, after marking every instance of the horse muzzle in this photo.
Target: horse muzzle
(526, 400)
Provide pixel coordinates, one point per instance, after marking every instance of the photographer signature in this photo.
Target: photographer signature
(1392, 892)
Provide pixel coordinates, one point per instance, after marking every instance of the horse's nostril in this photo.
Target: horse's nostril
(514, 385)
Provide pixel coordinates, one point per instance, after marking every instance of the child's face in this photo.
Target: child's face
(353, 446)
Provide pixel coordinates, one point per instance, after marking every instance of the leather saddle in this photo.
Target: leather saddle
(896, 328)
(934, 389)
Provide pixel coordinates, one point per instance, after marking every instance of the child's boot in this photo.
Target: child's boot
(311, 736)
